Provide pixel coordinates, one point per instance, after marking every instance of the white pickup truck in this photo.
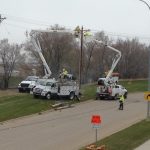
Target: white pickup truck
(28, 84)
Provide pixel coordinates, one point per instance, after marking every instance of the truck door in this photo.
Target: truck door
(54, 88)
(117, 89)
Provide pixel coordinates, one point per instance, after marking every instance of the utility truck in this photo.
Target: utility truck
(31, 81)
(108, 87)
(52, 87)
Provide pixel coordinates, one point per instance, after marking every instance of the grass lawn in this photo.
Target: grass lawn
(21, 105)
(129, 138)
(135, 85)
(88, 91)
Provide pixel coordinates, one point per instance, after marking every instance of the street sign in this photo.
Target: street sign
(96, 119)
(147, 96)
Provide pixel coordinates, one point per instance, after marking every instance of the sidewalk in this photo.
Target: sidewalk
(145, 146)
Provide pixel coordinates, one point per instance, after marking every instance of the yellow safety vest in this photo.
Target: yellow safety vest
(121, 98)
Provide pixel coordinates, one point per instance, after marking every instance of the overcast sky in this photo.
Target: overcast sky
(116, 17)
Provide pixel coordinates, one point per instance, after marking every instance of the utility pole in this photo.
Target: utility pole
(80, 33)
(1, 19)
(81, 59)
(148, 103)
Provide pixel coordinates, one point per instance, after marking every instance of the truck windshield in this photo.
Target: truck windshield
(31, 78)
(45, 82)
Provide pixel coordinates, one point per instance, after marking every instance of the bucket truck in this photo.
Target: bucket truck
(108, 87)
(30, 82)
(52, 87)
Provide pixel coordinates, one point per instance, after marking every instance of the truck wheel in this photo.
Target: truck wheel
(71, 96)
(97, 96)
(35, 96)
(101, 97)
(20, 90)
(48, 96)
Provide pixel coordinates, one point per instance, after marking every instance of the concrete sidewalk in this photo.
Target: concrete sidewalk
(145, 146)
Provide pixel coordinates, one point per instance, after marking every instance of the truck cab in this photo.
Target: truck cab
(28, 84)
(45, 88)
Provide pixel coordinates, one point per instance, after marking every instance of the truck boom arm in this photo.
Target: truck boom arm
(37, 46)
(115, 61)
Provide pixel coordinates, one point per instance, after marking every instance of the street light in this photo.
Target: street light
(148, 103)
(145, 3)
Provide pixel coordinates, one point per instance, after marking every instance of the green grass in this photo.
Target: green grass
(135, 85)
(88, 91)
(21, 105)
(129, 138)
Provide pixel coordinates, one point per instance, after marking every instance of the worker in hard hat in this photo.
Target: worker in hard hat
(64, 73)
(121, 101)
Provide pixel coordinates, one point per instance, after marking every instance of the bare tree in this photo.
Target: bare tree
(9, 55)
(100, 61)
(88, 55)
(134, 61)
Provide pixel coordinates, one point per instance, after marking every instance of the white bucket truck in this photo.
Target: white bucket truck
(51, 87)
(108, 87)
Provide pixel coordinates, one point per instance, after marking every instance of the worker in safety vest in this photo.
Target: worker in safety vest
(121, 102)
(64, 73)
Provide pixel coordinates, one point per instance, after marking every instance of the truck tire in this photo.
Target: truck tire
(97, 96)
(125, 95)
(35, 96)
(71, 95)
(101, 97)
(20, 91)
(48, 96)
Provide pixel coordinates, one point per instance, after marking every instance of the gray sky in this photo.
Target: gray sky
(117, 17)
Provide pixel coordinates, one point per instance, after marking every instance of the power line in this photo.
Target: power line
(27, 20)
(40, 23)
(128, 36)
(123, 35)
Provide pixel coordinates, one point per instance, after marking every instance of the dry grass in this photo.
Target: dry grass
(9, 92)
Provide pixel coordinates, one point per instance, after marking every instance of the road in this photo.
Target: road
(70, 129)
